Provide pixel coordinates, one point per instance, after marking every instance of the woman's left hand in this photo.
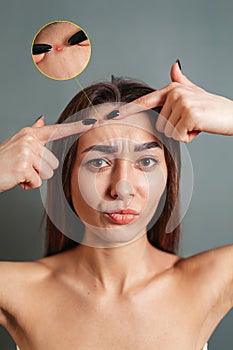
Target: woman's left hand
(187, 109)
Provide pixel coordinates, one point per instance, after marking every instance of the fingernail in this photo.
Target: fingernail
(77, 38)
(178, 61)
(89, 121)
(113, 114)
(37, 49)
(40, 117)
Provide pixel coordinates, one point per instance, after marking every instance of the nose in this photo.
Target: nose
(121, 184)
(123, 189)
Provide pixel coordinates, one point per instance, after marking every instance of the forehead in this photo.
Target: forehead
(61, 29)
(137, 128)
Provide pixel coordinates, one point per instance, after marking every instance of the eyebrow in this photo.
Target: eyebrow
(147, 145)
(114, 149)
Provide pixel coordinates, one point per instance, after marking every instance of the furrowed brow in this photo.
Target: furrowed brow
(101, 148)
(147, 145)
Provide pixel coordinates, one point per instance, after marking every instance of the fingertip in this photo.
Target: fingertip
(176, 72)
(39, 122)
(179, 64)
(123, 112)
(38, 58)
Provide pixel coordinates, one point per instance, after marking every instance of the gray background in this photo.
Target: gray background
(139, 39)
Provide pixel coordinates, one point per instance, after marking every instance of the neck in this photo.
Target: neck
(118, 269)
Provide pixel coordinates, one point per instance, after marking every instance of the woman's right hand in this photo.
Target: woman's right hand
(186, 109)
(24, 159)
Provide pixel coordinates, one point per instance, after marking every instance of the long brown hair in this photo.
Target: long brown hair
(119, 90)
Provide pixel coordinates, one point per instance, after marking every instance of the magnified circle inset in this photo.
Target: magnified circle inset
(61, 50)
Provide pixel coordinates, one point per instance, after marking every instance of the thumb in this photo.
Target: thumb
(39, 122)
(178, 77)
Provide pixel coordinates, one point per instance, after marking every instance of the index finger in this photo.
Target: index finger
(58, 131)
(149, 101)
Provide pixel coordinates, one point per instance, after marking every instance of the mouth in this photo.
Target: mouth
(122, 217)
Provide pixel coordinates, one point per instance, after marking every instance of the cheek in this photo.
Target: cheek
(157, 184)
(81, 195)
(90, 187)
(102, 184)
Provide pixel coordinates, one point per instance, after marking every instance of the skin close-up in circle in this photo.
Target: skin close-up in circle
(61, 50)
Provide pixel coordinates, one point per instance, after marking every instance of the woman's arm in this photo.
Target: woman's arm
(12, 274)
(187, 109)
(209, 277)
(24, 159)
(19, 281)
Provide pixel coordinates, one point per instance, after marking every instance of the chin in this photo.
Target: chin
(112, 236)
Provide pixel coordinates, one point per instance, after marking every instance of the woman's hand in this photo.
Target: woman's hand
(186, 109)
(24, 159)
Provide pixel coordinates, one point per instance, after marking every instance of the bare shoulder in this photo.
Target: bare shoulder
(208, 281)
(211, 274)
(217, 262)
(16, 279)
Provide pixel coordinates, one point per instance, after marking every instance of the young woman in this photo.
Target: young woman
(123, 286)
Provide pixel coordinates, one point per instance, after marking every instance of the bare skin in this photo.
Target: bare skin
(129, 297)
(163, 303)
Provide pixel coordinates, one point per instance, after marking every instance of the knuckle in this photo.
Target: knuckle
(185, 107)
(173, 85)
(24, 151)
(25, 131)
(185, 104)
(56, 163)
(158, 125)
(166, 132)
(36, 183)
(177, 134)
(27, 135)
(175, 94)
(21, 167)
(51, 172)
(48, 174)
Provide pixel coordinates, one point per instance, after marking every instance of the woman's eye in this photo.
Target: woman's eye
(147, 163)
(98, 163)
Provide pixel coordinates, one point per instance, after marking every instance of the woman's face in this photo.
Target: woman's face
(118, 178)
(63, 61)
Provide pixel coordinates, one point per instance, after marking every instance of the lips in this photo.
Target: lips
(123, 216)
